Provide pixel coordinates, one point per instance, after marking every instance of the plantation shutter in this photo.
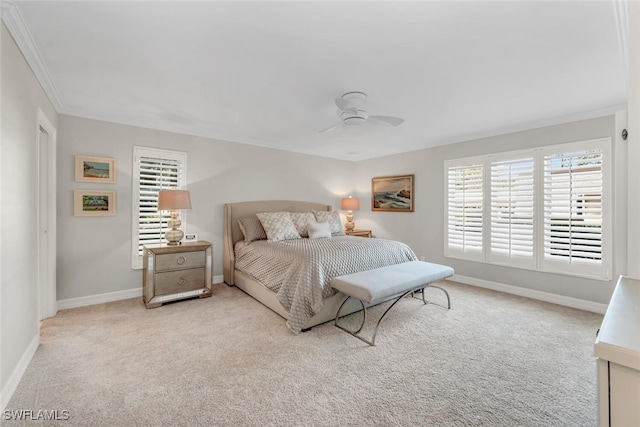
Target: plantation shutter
(465, 210)
(573, 211)
(512, 212)
(154, 170)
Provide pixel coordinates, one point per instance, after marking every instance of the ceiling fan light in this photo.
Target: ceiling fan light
(354, 121)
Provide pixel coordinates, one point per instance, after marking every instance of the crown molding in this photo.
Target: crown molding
(15, 24)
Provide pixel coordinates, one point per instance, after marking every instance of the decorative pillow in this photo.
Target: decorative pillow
(318, 230)
(333, 218)
(278, 226)
(252, 229)
(302, 220)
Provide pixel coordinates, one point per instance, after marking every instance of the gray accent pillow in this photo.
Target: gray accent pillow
(278, 226)
(319, 230)
(302, 220)
(252, 229)
(333, 218)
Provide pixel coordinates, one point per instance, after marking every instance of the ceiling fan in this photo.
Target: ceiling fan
(353, 113)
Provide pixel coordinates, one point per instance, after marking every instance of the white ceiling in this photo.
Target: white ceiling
(267, 73)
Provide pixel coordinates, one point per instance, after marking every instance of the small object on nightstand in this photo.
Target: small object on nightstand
(172, 273)
(359, 233)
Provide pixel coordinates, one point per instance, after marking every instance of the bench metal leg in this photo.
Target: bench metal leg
(375, 331)
(364, 318)
(424, 300)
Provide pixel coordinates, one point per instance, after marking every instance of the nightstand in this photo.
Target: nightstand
(172, 273)
(359, 233)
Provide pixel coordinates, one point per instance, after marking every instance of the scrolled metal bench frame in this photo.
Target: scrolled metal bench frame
(364, 309)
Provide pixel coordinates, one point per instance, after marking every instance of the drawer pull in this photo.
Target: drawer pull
(181, 260)
(182, 281)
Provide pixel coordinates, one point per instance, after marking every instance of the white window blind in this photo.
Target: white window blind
(546, 209)
(512, 211)
(154, 170)
(574, 207)
(465, 209)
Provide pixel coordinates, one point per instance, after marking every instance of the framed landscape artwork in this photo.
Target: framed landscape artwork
(95, 169)
(94, 203)
(392, 193)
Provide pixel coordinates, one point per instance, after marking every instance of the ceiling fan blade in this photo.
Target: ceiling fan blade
(346, 106)
(329, 129)
(386, 120)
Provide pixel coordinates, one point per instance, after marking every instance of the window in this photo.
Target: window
(153, 170)
(547, 209)
(465, 209)
(512, 215)
(574, 210)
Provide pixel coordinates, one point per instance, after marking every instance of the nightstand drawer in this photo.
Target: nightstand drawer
(180, 260)
(179, 281)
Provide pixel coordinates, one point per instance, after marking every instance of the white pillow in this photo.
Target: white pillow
(278, 226)
(319, 230)
(333, 218)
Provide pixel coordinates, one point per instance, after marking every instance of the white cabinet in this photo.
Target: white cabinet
(617, 348)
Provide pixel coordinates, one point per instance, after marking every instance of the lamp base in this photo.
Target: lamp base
(349, 225)
(174, 235)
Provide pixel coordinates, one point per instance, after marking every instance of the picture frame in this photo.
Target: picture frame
(95, 169)
(392, 193)
(94, 203)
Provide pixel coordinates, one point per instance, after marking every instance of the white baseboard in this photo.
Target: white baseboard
(18, 372)
(533, 294)
(99, 298)
(109, 297)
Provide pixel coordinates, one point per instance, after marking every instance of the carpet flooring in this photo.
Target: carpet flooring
(492, 360)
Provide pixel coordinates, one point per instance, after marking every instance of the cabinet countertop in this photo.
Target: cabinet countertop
(619, 338)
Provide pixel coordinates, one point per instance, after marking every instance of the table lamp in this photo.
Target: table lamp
(350, 204)
(174, 201)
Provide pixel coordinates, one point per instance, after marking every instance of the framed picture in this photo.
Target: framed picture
(95, 169)
(94, 203)
(392, 193)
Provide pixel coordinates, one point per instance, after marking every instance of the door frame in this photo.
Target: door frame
(47, 298)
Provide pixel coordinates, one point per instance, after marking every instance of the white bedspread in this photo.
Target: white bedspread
(299, 270)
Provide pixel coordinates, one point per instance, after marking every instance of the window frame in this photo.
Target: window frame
(572, 266)
(181, 183)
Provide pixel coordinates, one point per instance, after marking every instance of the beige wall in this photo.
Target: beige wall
(94, 253)
(22, 97)
(423, 229)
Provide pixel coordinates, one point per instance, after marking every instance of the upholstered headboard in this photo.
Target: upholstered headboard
(235, 211)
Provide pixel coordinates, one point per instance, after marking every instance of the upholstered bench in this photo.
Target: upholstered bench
(372, 287)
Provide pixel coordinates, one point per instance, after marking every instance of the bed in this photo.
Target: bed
(301, 268)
